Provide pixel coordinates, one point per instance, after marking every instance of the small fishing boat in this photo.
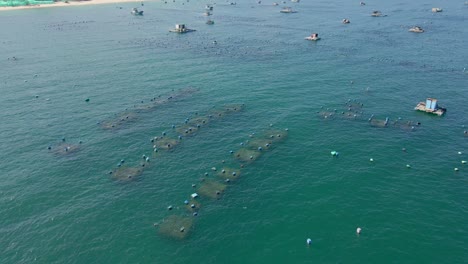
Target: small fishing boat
(345, 21)
(376, 14)
(136, 12)
(416, 29)
(207, 13)
(287, 10)
(295, 1)
(209, 22)
(313, 37)
(209, 7)
(436, 9)
(180, 28)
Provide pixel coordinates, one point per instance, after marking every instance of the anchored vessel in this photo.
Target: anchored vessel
(430, 106)
(436, 9)
(136, 12)
(287, 10)
(376, 14)
(180, 28)
(416, 29)
(313, 37)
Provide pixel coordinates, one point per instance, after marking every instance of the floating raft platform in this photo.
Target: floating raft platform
(430, 106)
(212, 189)
(175, 226)
(64, 149)
(126, 174)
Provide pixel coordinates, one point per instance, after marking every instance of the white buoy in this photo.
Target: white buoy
(358, 230)
(463, 161)
(371, 160)
(408, 166)
(309, 241)
(459, 152)
(456, 169)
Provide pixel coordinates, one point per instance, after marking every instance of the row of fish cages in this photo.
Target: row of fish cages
(216, 181)
(131, 115)
(172, 139)
(352, 110)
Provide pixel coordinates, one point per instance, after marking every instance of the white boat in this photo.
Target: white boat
(207, 13)
(209, 7)
(135, 12)
(287, 10)
(416, 29)
(180, 28)
(436, 9)
(295, 1)
(345, 21)
(313, 37)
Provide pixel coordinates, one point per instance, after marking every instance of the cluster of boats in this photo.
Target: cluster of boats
(181, 28)
(208, 9)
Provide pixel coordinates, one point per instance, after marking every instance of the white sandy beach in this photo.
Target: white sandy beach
(71, 3)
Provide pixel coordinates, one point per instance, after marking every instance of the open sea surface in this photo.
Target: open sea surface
(59, 207)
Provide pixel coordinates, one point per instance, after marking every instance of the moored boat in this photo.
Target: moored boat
(376, 13)
(180, 28)
(136, 12)
(416, 29)
(313, 37)
(287, 10)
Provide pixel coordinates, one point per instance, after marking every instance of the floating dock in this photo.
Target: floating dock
(430, 106)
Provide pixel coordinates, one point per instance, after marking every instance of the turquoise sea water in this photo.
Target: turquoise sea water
(66, 208)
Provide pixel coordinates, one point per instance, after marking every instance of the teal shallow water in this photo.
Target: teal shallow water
(68, 209)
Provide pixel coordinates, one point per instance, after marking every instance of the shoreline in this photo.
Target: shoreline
(71, 3)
